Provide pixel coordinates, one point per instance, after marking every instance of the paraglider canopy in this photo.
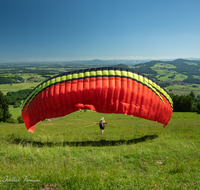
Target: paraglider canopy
(105, 90)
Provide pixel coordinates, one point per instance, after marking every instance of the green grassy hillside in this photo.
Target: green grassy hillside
(70, 153)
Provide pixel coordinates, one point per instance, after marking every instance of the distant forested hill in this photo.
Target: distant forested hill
(178, 70)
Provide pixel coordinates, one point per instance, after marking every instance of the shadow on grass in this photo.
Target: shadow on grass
(100, 143)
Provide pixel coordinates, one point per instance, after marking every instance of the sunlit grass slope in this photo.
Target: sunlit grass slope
(71, 153)
(17, 86)
(15, 112)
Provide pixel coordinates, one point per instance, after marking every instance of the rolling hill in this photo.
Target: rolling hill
(177, 70)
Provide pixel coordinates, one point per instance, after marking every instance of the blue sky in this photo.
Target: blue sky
(59, 30)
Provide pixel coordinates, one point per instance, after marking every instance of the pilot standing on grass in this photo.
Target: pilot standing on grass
(102, 123)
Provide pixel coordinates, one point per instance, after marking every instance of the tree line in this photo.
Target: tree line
(5, 115)
(191, 79)
(15, 98)
(9, 80)
(185, 103)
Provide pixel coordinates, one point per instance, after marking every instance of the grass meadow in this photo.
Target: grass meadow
(133, 153)
(4, 88)
(184, 89)
(15, 112)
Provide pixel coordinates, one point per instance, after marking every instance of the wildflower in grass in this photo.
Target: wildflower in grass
(159, 162)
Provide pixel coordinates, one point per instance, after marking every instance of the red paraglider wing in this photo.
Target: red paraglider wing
(105, 90)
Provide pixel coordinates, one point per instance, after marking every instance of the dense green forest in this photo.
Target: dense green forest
(9, 80)
(4, 108)
(192, 80)
(15, 98)
(145, 68)
(186, 103)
